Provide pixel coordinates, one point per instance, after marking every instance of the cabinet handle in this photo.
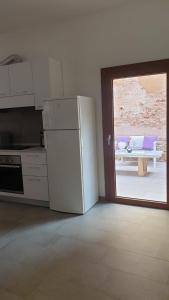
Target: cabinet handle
(34, 179)
(37, 168)
(32, 155)
(22, 92)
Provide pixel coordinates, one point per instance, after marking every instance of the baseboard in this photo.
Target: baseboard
(102, 199)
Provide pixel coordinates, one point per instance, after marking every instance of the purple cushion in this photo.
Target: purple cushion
(122, 138)
(149, 142)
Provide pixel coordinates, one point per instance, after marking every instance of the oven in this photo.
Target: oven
(11, 174)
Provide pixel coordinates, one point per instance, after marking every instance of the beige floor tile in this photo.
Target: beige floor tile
(69, 290)
(113, 252)
(5, 295)
(125, 286)
(20, 278)
(145, 266)
(66, 247)
(74, 269)
(163, 251)
(134, 241)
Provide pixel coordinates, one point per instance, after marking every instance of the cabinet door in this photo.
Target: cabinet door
(47, 79)
(34, 170)
(40, 70)
(34, 158)
(35, 187)
(4, 81)
(21, 78)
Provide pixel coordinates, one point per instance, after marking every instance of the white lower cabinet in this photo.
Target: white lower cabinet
(34, 170)
(34, 158)
(35, 180)
(35, 187)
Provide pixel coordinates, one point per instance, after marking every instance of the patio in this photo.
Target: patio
(150, 187)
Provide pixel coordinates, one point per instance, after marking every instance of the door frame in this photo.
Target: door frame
(107, 77)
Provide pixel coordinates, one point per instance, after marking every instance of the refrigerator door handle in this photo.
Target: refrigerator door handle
(45, 140)
(45, 117)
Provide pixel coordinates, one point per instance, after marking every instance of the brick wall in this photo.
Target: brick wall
(140, 107)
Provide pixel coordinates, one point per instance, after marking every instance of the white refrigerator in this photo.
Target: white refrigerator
(70, 141)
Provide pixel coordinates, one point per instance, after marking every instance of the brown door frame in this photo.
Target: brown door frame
(107, 77)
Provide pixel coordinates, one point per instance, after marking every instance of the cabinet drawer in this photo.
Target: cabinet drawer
(35, 187)
(34, 170)
(34, 158)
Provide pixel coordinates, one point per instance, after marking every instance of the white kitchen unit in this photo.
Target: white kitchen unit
(47, 79)
(40, 78)
(29, 183)
(34, 171)
(21, 80)
(4, 81)
(70, 138)
(17, 101)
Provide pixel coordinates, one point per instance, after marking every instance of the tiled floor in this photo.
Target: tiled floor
(113, 252)
(149, 187)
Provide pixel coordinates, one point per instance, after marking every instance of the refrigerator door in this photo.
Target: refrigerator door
(61, 114)
(64, 171)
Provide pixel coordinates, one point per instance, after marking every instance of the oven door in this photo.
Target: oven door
(11, 178)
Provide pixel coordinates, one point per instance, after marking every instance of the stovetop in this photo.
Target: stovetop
(16, 147)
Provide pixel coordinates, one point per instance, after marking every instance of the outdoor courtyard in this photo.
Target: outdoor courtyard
(149, 187)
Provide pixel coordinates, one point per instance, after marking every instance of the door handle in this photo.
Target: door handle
(109, 140)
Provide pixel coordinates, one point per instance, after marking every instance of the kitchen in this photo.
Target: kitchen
(113, 251)
(47, 142)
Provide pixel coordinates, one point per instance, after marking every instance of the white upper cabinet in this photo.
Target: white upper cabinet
(48, 81)
(4, 81)
(41, 78)
(21, 78)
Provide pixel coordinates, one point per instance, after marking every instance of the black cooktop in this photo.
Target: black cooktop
(15, 147)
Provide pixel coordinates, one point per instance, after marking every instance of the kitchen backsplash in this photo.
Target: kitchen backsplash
(25, 124)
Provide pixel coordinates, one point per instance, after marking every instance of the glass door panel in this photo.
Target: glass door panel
(139, 124)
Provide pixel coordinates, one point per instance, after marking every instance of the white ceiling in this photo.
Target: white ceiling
(17, 14)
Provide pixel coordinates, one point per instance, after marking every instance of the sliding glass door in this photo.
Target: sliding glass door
(134, 101)
(140, 137)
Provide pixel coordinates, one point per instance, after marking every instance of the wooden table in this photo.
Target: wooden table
(142, 158)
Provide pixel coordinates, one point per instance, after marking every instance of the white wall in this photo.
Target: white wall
(130, 33)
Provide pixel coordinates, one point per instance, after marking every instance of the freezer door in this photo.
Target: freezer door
(61, 114)
(64, 171)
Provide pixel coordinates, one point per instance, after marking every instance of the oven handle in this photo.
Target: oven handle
(10, 166)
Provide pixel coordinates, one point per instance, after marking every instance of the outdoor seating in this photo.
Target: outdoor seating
(137, 143)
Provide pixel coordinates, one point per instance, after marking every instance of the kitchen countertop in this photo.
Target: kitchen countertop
(19, 152)
(35, 149)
